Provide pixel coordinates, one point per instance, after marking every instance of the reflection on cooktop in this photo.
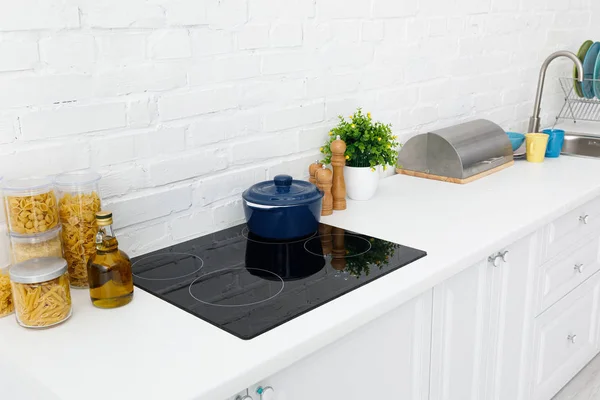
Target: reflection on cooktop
(247, 285)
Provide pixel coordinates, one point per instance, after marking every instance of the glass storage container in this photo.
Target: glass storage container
(31, 206)
(41, 292)
(6, 304)
(3, 211)
(79, 201)
(46, 244)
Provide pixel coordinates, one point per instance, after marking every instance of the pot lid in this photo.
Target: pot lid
(37, 270)
(283, 190)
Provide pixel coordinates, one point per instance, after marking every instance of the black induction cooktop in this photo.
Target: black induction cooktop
(247, 285)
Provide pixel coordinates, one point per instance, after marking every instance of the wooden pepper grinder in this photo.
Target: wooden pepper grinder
(338, 255)
(324, 182)
(312, 170)
(338, 161)
(326, 238)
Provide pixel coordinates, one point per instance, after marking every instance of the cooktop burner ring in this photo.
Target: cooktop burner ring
(340, 234)
(172, 277)
(236, 305)
(246, 231)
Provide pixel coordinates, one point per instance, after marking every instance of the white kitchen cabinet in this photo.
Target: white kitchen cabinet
(386, 359)
(567, 271)
(481, 327)
(460, 334)
(566, 338)
(511, 320)
(568, 230)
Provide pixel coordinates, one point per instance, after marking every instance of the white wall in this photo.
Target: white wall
(182, 104)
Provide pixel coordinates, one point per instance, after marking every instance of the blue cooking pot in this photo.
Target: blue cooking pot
(283, 208)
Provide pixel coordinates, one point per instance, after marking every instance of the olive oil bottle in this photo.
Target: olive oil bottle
(109, 271)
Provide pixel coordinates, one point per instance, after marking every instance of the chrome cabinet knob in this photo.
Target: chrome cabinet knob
(572, 338)
(266, 393)
(498, 258)
(585, 219)
(495, 260)
(578, 268)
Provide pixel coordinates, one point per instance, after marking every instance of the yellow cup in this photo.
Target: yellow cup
(536, 144)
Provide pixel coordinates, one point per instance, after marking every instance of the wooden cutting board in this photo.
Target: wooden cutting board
(454, 180)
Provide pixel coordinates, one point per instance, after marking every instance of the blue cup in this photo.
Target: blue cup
(555, 142)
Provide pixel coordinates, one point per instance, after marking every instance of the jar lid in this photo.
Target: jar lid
(77, 178)
(37, 237)
(37, 270)
(282, 191)
(104, 218)
(27, 186)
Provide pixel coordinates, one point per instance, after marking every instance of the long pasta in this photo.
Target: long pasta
(6, 303)
(32, 214)
(78, 216)
(42, 304)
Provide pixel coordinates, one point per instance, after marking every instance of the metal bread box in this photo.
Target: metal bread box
(460, 153)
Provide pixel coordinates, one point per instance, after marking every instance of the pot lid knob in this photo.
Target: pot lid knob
(283, 183)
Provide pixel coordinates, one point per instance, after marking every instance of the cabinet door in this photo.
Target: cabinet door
(482, 328)
(386, 359)
(566, 338)
(511, 319)
(460, 334)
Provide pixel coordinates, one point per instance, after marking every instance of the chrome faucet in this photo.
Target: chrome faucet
(534, 121)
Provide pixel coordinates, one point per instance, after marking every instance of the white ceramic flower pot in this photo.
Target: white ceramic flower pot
(361, 183)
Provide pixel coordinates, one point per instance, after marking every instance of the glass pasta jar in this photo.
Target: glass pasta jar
(3, 211)
(41, 292)
(79, 201)
(30, 204)
(47, 244)
(6, 303)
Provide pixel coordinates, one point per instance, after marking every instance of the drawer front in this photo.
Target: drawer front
(558, 277)
(571, 228)
(566, 339)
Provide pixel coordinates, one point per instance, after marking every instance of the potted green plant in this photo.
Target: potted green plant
(369, 146)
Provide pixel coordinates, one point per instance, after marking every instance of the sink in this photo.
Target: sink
(577, 144)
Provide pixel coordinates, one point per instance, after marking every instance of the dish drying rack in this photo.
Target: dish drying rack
(578, 108)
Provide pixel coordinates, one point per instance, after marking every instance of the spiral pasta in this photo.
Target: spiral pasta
(32, 214)
(42, 304)
(78, 216)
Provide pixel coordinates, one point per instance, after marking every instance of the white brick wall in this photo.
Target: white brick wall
(70, 120)
(182, 104)
(18, 53)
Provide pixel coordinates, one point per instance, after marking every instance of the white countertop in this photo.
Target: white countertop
(152, 350)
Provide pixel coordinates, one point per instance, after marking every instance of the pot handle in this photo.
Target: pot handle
(283, 183)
